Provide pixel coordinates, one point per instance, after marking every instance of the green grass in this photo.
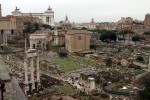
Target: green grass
(66, 90)
(67, 65)
(56, 48)
(84, 60)
(131, 71)
(75, 62)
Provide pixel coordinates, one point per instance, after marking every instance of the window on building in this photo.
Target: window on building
(12, 31)
(47, 19)
(2, 31)
(79, 37)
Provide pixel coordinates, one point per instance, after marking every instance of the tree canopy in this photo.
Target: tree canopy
(140, 59)
(108, 36)
(124, 32)
(46, 26)
(30, 27)
(136, 38)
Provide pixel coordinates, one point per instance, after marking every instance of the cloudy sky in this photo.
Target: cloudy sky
(82, 10)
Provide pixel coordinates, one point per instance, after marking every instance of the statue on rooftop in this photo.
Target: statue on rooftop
(16, 8)
(49, 8)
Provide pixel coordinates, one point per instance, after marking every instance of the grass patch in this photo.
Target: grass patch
(75, 62)
(66, 90)
(83, 96)
(56, 48)
(67, 65)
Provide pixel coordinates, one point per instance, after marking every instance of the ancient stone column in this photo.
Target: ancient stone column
(32, 73)
(38, 71)
(4, 39)
(45, 44)
(26, 71)
(31, 43)
(26, 75)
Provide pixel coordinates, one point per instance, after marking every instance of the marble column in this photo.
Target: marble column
(38, 73)
(4, 39)
(26, 75)
(31, 44)
(50, 22)
(37, 66)
(32, 73)
(26, 71)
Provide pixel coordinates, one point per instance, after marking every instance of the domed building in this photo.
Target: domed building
(46, 18)
(66, 25)
(92, 24)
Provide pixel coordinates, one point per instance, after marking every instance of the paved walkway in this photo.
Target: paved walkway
(15, 89)
(4, 73)
(19, 92)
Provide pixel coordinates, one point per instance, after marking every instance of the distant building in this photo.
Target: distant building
(126, 20)
(59, 33)
(66, 25)
(107, 26)
(147, 20)
(92, 25)
(59, 37)
(14, 24)
(77, 40)
(46, 18)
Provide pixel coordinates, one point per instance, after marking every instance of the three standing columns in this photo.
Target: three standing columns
(32, 71)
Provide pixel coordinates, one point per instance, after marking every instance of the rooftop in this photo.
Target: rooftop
(77, 31)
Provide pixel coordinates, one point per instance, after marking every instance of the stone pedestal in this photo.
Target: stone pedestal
(92, 83)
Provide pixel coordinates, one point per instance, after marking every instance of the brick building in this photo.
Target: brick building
(77, 40)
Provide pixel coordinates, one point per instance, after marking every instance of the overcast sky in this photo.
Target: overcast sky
(82, 10)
